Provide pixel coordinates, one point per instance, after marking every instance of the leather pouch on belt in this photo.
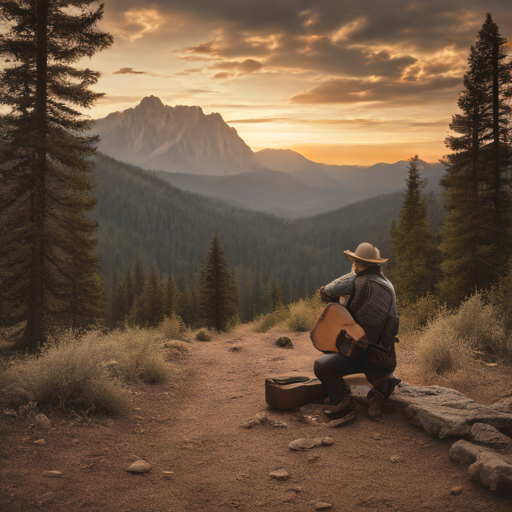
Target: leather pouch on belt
(356, 347)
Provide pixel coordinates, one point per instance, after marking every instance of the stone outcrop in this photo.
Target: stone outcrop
(444, 412)
(485, 465)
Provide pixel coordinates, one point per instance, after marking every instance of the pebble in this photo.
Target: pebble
(54, 474)
(456, 490)
(235, 349)
(313, 458)
(323, 506)
(134, 458)
(279, 474)
(139, 466)
(167, 474)
(40, 442)
(395, 458)
(43, 421)
(307, 444)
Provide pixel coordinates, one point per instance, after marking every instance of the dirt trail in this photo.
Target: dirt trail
(192, 426)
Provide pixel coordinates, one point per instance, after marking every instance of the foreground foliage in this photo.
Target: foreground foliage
(90, 374)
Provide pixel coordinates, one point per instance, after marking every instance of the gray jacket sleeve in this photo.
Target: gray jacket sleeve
(344, 285)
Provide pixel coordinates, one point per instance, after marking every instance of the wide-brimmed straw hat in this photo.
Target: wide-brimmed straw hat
(366, 253)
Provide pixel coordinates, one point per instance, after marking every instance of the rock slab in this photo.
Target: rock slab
(304, 444)
(485, 465)
(444, 412)
(139, 466)
(488, 435)
(43, 421)
(53, 474)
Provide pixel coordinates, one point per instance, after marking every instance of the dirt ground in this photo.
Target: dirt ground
(192, 427)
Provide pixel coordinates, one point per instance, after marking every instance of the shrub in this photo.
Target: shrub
(172, 327)
(203, 335)
(270, 320)
(302, 316)
(87, 374)
(440, 350)
(68, 375)
(478, 324)
(417, 315)
(176, 350)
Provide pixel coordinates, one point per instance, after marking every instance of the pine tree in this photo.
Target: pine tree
(412, 241)
(49, 244)
(276, 295)
(477, 241)
(218, 293)
(153, 300)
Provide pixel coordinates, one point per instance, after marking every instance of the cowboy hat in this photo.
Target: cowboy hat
(366, 253)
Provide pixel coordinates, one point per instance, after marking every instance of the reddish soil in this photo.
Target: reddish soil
(192, 426)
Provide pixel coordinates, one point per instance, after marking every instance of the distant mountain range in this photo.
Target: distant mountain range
(142, 217)
(200, 153)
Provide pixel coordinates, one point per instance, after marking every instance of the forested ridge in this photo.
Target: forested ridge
(144, 218)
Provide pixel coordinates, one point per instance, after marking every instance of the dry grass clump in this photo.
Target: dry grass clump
(172, 327)
(452, 343)
(266, 322)
(303, 315)
(176, 350)
(86, 374)
(415, 316)
(203, 335)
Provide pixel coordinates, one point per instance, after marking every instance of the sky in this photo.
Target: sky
(340, 81)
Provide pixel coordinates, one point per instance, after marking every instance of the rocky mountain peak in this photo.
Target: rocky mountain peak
(175, 139)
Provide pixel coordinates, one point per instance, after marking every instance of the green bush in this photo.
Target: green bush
(203, 335)
(177, 350)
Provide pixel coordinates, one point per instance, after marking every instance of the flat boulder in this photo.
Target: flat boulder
(489, 436)
(306, 444)
(485, 465)
(444, 412)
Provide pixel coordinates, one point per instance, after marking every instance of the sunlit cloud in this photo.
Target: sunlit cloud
(128, 71)
(140, 22)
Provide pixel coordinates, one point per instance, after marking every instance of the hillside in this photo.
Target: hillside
(141, 216)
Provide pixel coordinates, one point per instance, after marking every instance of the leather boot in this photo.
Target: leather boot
(342, 409)
(374, 399)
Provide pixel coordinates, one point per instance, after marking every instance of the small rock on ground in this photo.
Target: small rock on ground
(284, 342)
(54, 474)
(323, 506)
(43, 421)
(306, 444)
(139, 466)
(456, 490)
(40, 442)
(235, 349)
(279, 474)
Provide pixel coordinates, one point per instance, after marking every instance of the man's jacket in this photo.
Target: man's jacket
(373, 305)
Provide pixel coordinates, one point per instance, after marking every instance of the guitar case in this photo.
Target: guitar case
(288, 392)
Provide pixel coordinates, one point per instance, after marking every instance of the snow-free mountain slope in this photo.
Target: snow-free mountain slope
(175, 139)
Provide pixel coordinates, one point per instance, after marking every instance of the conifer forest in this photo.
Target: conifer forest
(87, 240)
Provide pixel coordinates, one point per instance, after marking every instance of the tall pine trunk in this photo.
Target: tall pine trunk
(34, 335)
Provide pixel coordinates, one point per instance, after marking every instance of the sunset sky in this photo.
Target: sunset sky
(341, 82)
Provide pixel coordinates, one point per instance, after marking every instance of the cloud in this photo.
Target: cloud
(187, 72)
(359, 91)
(128, 71)
(138, 22)
(259, 121)
(236, 68)
(222, 75)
